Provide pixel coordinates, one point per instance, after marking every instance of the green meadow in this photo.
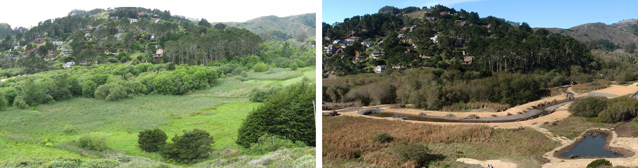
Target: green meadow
(42, 131)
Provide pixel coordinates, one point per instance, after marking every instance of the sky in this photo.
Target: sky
(29, 13)
(537, 13)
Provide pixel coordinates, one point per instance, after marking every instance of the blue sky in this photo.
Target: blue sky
(537, 13)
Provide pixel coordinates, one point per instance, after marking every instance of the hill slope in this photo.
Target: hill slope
(621, 33)
(291, 25)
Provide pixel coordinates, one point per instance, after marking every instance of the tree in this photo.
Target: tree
(220, 26)
(289, 113)
(152, 140)
(630, 47)
(190, 147)
(204, 22)
(301, 36)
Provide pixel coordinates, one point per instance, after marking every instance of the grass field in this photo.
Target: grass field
(572, 126)
(219, 110)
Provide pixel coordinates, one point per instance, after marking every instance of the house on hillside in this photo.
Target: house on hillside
(348, 42)
(115, 17)
(66, 52)
(467, 60)
(119, 36)
(435, 39)
(430, 18)
(133, 20)
(337, 41)
(155, 20)
(367, 44)
(154, 37)
(379, 68)
(159, 54)
(377, 54)
(38, 40)
(69, 64)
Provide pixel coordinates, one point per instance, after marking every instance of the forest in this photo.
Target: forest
(510, 63)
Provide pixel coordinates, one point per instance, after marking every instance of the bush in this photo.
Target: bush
(261, 67)
(94, 142)
(598, 163)
(222, 76)
(110, 92)
(417, 152)
(190, 147)
(293, 66)
(619, 109)
(88, 88)
(237, 71)
(269, 143)
(289, 114)
(3, 102)
(588, 107)
(261, 95)
(152, 140)
(20, 103)
(112, 59)
(382, 137)
(244, 74)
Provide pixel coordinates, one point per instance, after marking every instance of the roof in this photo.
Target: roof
(160, 52)
(468, 58)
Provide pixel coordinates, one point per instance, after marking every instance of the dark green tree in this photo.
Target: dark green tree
(190, 147)
(204, 22)
(289, 114)
(152, 140)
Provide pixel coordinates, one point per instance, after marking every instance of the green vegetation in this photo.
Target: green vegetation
(152, 140)
(382, 138)
(607, 110)
(289, 114)
(95, 142)
(599, 163)
(190, 147)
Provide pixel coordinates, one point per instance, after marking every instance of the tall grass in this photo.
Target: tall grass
(349, 137)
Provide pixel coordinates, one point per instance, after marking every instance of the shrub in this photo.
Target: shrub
(382, 137)
(222, 75)
(289, 114)
(414, 151)
(293, 66)
(598, 163)
(269, 143)
(93, 142)
(190, 147)
(112, 60)
(3, 102)
(261, 67)
(237, 71)
(261, 95)
(88, 88)
(300, 63)
(152, 140)
(20, 103)
(619, 109)
(110, 92)
(244, 74)
(588, 107)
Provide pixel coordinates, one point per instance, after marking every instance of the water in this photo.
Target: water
(591, 147)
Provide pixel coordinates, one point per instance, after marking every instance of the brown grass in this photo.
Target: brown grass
(349, 137)
(477, 105)
(337, 106)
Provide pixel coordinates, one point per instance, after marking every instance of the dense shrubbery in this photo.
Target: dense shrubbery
(433, 88)
(415, 151)
(619, 109)
(152, 140)
(289, 114)
(93, 142)
(269, 143)
(190, 147)
(599, 163)
(588, 107)
(260, 67)
(607, 110)
(261, 95)
(382, 137)
(106, 82)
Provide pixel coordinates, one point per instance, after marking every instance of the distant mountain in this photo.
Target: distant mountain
(290, 26)
(621, 33)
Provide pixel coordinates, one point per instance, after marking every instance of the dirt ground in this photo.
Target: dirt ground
(494, 163)
(625, 129)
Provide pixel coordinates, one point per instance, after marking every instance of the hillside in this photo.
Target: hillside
(273, 26)
(621, 33)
